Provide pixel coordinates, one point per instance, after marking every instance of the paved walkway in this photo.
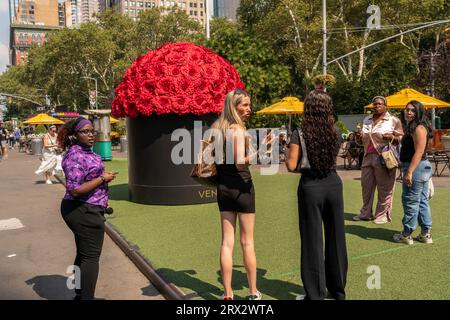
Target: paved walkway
(34, 258)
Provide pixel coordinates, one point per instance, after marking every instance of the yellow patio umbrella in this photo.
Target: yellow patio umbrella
(43, 118)
(287, 105)
(401, 98)
(113, 120)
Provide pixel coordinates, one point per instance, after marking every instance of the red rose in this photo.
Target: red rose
(178, 78)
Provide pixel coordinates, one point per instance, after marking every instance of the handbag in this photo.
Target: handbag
(205, 170)
(430, 189)
(390, 156)
(303, 162)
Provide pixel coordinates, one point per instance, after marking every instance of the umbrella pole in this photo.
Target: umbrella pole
(290, 125)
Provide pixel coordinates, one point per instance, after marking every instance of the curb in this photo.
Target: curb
(167, 289)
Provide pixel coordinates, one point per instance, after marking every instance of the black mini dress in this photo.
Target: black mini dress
(235, 191)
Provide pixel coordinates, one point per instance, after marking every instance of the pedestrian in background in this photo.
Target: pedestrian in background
(3, 141)
(320, 200)
(50, 158)
(416, 172)
(86, 199)
(378, 131)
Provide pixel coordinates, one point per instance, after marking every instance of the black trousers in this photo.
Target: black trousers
(87, 224)
(321, 202)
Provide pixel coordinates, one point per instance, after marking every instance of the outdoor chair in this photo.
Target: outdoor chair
(437, 158)
(349, 152)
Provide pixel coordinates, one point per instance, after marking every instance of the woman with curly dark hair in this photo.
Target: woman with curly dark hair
(86, 200)
(320, 200)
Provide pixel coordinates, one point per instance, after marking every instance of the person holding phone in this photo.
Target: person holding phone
(378, 131)
(235, 191)
(85, 201)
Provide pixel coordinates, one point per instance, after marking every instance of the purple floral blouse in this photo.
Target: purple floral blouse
(81, 165)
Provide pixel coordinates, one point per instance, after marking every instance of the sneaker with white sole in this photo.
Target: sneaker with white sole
(256, 296)
(424, 238)
(401, 238)
(223, 297)
(300, 297)
(49, 182)
(381, 221)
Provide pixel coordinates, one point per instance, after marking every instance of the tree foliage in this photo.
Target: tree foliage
(276, 46)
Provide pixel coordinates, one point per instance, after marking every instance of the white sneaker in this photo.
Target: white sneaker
(300, 297)
(400, 238)
(256, 296)
(425, 238)
(49, 182)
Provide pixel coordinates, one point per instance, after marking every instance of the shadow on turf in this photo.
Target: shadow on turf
(367, 230)
(274, 288)
(51, 287)
(118, 192)
(278, 289)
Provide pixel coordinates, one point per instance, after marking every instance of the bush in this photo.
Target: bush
(40, 129)
(342, 126)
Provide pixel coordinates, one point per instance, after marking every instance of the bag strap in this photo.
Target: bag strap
(302, 143)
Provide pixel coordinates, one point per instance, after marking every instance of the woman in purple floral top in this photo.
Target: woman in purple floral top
(85, 201)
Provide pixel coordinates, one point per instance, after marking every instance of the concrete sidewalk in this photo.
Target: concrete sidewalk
(34, 258)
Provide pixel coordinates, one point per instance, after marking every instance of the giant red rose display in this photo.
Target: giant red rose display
(177, 78)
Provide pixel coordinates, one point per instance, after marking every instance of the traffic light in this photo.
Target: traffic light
(447, 35)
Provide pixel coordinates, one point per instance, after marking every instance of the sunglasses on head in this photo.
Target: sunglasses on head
(239, 91)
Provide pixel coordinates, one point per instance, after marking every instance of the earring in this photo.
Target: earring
(72, 139)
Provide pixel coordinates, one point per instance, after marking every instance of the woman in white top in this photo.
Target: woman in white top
(50, 158)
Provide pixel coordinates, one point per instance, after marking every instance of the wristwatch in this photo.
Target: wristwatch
(103, 179)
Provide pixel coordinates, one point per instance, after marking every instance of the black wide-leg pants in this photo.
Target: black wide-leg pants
(88, 226)
(320, 201)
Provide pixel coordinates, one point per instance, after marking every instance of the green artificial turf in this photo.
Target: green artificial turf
(182, 242)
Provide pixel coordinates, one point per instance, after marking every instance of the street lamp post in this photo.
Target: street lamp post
(96, 105)
(207, 8)
(324, 31)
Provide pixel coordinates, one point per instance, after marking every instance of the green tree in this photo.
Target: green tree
(264, 77)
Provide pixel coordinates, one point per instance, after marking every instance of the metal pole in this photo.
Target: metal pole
(208, 32)
(388, 38)
(324, 31)
(96, 93)
(433, 111)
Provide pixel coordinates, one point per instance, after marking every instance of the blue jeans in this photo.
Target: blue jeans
(415, 198)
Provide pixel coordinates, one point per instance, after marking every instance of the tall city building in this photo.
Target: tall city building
(194, 8)
(37, 12)
(30, 21)
(226, 8)
(79, 11)
(62, 15)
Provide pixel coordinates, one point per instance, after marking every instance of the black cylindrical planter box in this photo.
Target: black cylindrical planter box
(152, 175)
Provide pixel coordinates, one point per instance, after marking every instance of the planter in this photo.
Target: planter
(152, 175)
(446, 142)
(36, 146)
(123, 144)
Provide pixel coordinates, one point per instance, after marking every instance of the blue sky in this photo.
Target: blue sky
(4, 35)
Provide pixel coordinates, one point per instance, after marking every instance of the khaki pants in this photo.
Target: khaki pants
(375, 176)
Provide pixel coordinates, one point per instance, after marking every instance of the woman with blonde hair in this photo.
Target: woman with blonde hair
(235, 191)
